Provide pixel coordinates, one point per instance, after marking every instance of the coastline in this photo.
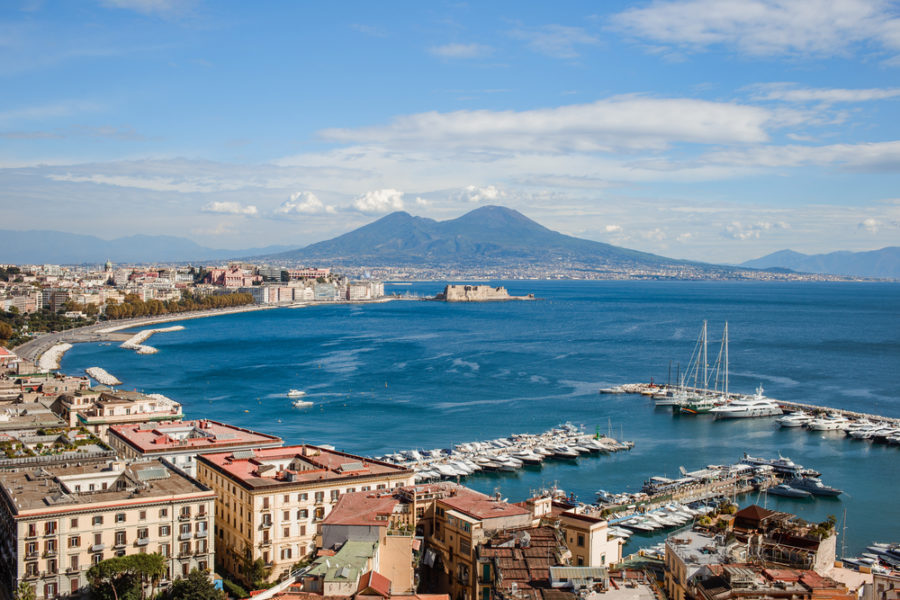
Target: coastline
(36, 349)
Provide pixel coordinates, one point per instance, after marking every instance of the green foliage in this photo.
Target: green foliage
(196, 586)
(43, 320)
(727, 508)
(7, 273)
(133, 306)
(25, 591)
(234, 589)
(124, 577)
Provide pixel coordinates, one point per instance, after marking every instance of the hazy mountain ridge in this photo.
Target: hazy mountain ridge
(57, 247)
(486, 236)
(883, 263)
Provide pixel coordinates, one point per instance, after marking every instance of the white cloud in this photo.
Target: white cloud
(737, 230)
(790, 93)
(488, 193)
(420, 201)
(655, 234)
(766, 27)
(684, 237)
(305, 203)
(630, 122)
(871, 225)
(613, 229)
(558, 41)
(230, 208)
(461, 50)
(876, 156)
(379, 201)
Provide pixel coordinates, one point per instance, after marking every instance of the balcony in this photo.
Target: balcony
(70, 570)
(98, 547)
(202, 534)
(265, 524)
(119, 546)
(184, 517)
(32, 555)
(184, 536)
(49, 553)
(202, 515)
(142, 541)
(265, 543)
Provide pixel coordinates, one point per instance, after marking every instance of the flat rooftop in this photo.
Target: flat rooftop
(201, 435)
(480, 506)
(696, 548)
(363, 508)
(60, 489)
(290, 465)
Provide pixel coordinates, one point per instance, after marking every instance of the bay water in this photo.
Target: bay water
(416, 374)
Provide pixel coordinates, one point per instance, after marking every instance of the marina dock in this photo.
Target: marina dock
(566, 442)
(655, 391)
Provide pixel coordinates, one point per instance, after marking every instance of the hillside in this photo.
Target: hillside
(883, 263)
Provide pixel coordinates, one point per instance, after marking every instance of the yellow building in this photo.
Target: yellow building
(270, 501)
(57, 521)
(587, 538)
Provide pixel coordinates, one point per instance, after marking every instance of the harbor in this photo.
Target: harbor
(565, 442)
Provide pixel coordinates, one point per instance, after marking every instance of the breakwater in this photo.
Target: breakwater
(136, 342)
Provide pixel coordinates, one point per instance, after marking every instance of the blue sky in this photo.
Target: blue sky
(707, 129)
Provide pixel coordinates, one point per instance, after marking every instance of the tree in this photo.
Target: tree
(6, 331)
(24, 592)
(196, 586)
(124, 577)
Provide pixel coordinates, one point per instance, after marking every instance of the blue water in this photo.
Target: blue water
(410, 374)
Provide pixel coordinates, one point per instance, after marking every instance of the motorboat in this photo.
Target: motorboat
(564, 452)
(814, 486)
(830, 422)
(296, 393)
(797, 418)
(787, 491)
(757, 406)
(298, 403)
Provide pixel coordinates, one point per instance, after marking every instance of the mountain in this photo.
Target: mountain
(883, 263)
(57, 247)
(487, 236)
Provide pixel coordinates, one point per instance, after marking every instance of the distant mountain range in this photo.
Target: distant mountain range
(884, 263)
(488, 236)
(57, 247)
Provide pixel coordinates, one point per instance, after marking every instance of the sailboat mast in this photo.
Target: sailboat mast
(726, 359)
(705, 363)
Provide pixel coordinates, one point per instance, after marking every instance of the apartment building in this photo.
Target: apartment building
(100, 408)
(269, 501)
(180, 442)
(57, 521)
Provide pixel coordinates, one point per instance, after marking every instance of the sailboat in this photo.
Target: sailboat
(705, 403)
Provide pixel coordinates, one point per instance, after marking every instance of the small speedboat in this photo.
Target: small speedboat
(298, 403)
(296, 393)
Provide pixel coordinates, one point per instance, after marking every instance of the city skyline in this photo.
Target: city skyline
(692, 129)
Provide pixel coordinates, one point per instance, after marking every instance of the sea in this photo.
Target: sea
(415, 374)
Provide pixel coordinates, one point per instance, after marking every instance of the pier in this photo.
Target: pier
(565, 442)
(656, 391)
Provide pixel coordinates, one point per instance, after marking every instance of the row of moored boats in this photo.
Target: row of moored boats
(861, 429)
(566, 442)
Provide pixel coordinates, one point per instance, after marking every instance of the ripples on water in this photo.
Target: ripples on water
(424, 374)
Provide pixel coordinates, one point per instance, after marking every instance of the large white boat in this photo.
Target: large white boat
(298, 403)
(757, 406)
(797, 418)
(296, 393)
(830, 422)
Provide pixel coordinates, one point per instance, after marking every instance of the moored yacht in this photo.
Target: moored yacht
(797, 418)
(814, 486)
(830, 422)
(757, 406)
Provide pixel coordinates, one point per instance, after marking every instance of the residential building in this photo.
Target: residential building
(751, 582)
(587, 538)
(58, 521)
(271, 500)
(100, 408)
(180, 442)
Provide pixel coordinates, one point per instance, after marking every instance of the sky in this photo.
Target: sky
(714, 130)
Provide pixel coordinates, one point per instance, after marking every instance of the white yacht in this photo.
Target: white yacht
(830, 422)
(296, 393)
(298, 403)
(797, 418)
(757, 406)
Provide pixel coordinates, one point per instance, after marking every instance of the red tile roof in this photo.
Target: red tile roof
(374, 582)
(362, 508)
(480, 506)
(210, 436)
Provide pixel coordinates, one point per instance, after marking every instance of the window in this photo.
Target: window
(49, 527)
(286, 532)
(96, 558)
(265, 503)
(142, 515)
(74, 584)
(580, 561)
(320, 496)
(73, 562)
(185, 528)
(163, 513)
(185, 569)
(120, 538)
(287, 498)
(51, 565)
(31, 548)
(31, 569)
(185, 511)
(201, 510)
(285, 553)
(380, 486)
(303, 530)
(201, 565)
(202, 546)
(74, 541)
(303, 497)
(351, 490)
(320, 514)
(120, 517)
(164, 531)
(164, 549)
(73, 524)
(185, 548)
(286, 515)
(49, 590)
(98, 539)
(32, 529)
(581, 540)
(50, 546)
(302, 514)
(335, 494)
(97, 520)
(143, 533)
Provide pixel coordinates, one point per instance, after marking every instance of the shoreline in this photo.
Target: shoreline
(36, 349)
